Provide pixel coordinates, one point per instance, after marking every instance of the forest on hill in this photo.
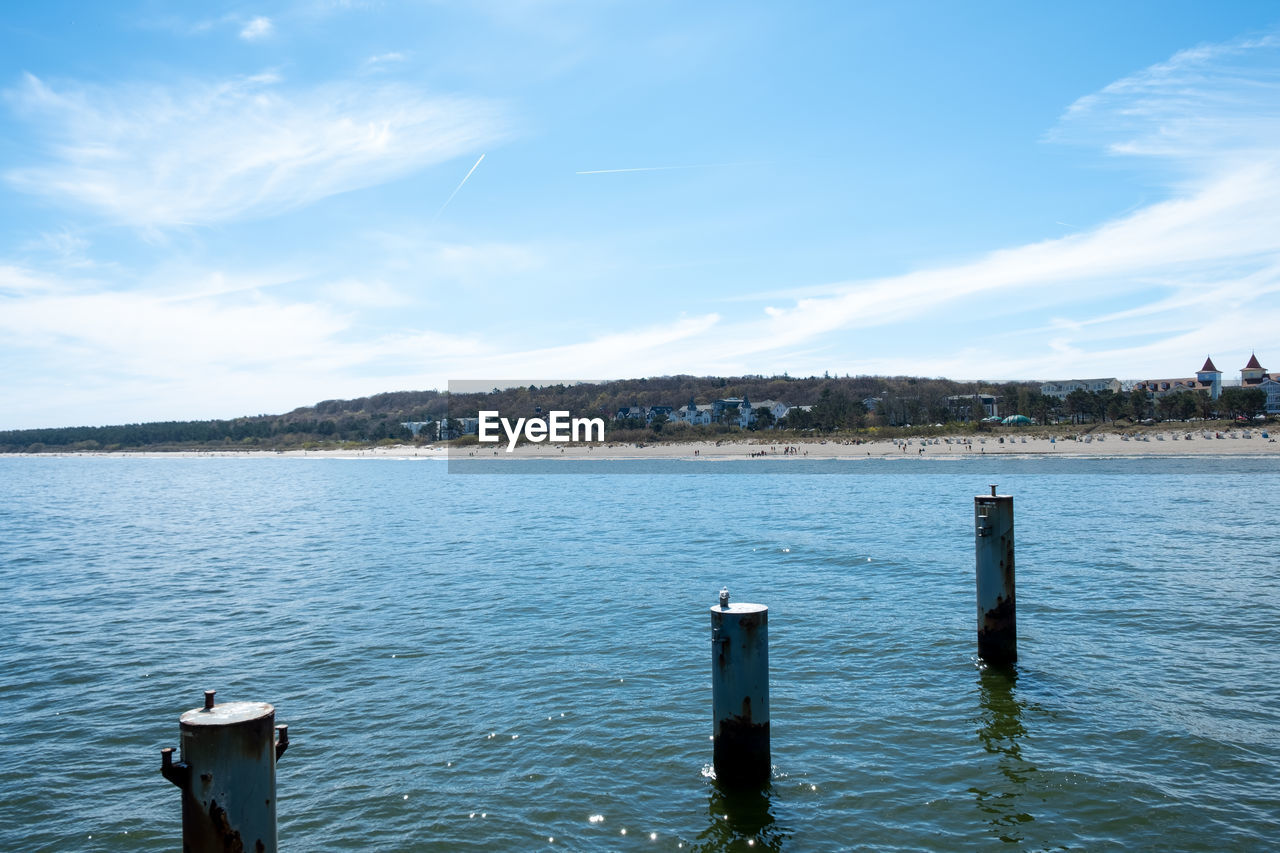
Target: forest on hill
(831, 404)
(378, 418)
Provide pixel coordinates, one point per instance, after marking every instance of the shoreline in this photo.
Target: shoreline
(1173, 443)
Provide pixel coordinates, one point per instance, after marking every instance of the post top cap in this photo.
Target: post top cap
(227, 714)
(740, 607)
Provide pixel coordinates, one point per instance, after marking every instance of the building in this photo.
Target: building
(1208, 380)
(777, 409)
(1254, 375)
(1060, 388)
(1271, 387)
(971, 407)
(448, 428)
(693, 414)
(734, 411)
(644, 413)
(652, 412)
(415, 427)
(1211, 376)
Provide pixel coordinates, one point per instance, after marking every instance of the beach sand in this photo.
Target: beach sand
(1181, 442)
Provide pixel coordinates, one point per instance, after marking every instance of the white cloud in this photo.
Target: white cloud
(389, 58)
(158, 156)
(365, 294)
(258, 28)
(153, 335)
(427, 257)
(1149, 292)
(1210, 106)
(1210, 253)
(1197, 272)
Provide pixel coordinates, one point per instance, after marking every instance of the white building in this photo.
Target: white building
(693, 414)
(776, 408)
(1271, 387)
(1060, 388)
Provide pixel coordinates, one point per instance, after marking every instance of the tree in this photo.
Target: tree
(1117, 405)
(1242, 402)
(764, 418)
(797, 418)
(1078, 404)
(1178, 406)
(1037, 406)
(1102, 402)
(832, 409)
(1139, 405)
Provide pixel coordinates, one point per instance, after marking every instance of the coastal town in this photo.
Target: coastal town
(1206, 393)
(685, 409)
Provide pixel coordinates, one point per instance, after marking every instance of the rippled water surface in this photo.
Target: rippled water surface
(491, 662)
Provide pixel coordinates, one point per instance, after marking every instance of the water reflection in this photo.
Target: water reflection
(1000, 732)
(741, 820)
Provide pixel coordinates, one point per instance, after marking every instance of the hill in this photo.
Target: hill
(378, 418)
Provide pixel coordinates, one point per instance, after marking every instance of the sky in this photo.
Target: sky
(214, 210)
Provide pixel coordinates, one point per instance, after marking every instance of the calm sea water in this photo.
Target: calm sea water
(488, 662)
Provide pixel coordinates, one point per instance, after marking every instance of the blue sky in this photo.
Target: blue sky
(214, 210)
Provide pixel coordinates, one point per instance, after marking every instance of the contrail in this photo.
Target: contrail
(662, 168)
(455, 191)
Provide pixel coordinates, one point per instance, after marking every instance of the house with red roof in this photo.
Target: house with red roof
(1254, 375)
(1208, 380)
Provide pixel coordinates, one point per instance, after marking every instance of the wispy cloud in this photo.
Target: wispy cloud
(1209, 107)
(1197, 266)
(159, 156)
(1197, 271)
(256, 29)
(365, 294)
(389, 58)
(1143, 293)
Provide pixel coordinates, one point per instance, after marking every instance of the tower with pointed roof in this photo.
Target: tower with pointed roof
(1211, 376)
(1253, 372)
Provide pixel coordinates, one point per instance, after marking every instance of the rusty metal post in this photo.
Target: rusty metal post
(740, 692)
(227, 776)
(997, 606)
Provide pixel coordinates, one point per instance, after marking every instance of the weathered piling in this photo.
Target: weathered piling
(227, 776)
(997, 607)
(740, 692)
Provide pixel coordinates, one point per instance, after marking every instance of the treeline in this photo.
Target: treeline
(1081, 406)
(912, 398)
(273, 432)
(378, 418)
(837, 404)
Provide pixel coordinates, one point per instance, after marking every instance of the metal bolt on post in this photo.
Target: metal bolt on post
(997, 606)
(740, 692)
(227, 776)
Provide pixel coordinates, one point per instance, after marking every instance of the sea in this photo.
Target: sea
(518, 657)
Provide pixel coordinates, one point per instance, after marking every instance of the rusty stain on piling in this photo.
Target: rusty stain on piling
(230, 838)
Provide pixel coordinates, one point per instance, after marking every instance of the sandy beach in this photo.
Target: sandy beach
(1239, 442)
